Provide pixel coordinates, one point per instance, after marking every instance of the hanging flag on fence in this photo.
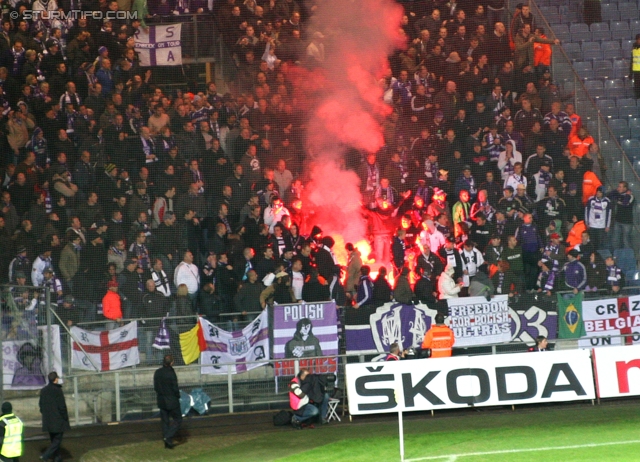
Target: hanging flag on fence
(161, 342)
(570, 321)
(159, 45)
(192, 343)
(240, 348)
(108, 350)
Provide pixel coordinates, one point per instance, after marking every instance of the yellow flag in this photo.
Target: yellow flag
(189, 345)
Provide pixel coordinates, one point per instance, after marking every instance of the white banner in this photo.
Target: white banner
(25, 362)
(609, 318)
(462, 381)
(617, 371)
(476, 321)
(159, 45)
(108, 350)
(237, 348)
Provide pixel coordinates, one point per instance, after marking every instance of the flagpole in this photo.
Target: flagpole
(75, 339)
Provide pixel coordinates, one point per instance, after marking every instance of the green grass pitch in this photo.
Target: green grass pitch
(579, 432)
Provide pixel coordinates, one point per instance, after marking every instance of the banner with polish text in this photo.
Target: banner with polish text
(159, 45)
(305, 330)
(242, 349)
(407, 324)
(476, 321)
(108, 350)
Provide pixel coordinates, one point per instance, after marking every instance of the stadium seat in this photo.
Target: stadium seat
(580, 32)
(625, 260)
(632, 279)
(609, 112)
(614, 88)
(620, 29)
(631, 148)
(603, 69)
(604, 253)
(590, 46)
(562, 33)
(634, 127)
(600, 31)
(592, 55)
(573, 50)
(628, 10)
(620, 68)
(594, 85)
(628, 112)
(604, 103)
(610, 12)
(619, 128)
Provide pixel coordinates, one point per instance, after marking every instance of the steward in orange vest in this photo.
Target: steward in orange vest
(439, 339)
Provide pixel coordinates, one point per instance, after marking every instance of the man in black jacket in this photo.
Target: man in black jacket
(55, 418)
(165, 384)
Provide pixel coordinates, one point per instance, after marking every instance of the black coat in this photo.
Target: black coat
(165, 384)
(53, 408)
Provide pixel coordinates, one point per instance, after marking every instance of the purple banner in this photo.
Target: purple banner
(407, 324)
(305, 330)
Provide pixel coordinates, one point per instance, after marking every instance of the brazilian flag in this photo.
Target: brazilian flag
(570, 321)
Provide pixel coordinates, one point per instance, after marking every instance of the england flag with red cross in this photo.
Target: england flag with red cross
(105, 350)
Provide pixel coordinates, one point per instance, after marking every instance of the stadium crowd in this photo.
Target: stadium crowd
(117, 192)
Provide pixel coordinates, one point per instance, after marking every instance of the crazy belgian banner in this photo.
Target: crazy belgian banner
(235, 352)
(159, 45)
(462, 381)
(105, 350)
(407, 324)
(305, 331)
(605, 320)
(478, 321)
(25, 362)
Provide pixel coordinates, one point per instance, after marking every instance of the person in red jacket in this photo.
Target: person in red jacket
(112, 305)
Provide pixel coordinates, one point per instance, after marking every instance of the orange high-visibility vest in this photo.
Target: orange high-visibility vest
(439, 339)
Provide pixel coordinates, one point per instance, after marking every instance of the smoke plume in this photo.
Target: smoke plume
(347, 107)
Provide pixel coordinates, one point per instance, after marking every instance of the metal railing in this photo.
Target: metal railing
(618, 166)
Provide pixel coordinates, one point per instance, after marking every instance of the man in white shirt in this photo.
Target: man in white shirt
(297, 278)
(431, 237)
(187, 273)
(472, 260)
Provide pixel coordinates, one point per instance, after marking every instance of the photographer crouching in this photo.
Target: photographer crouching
(308, 398)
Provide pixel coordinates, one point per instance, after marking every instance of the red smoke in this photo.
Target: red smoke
(347, 107)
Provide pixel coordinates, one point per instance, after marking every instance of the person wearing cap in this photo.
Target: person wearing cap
(55, 418)
(575, 274)
(20, 264)
(480, 232)
(493, 253)
(472, 260)
(597, 215)
(540, 181)
(11, 427)
(51, 282)
(279, 291)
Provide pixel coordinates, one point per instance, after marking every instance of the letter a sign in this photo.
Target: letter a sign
(159, 45)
